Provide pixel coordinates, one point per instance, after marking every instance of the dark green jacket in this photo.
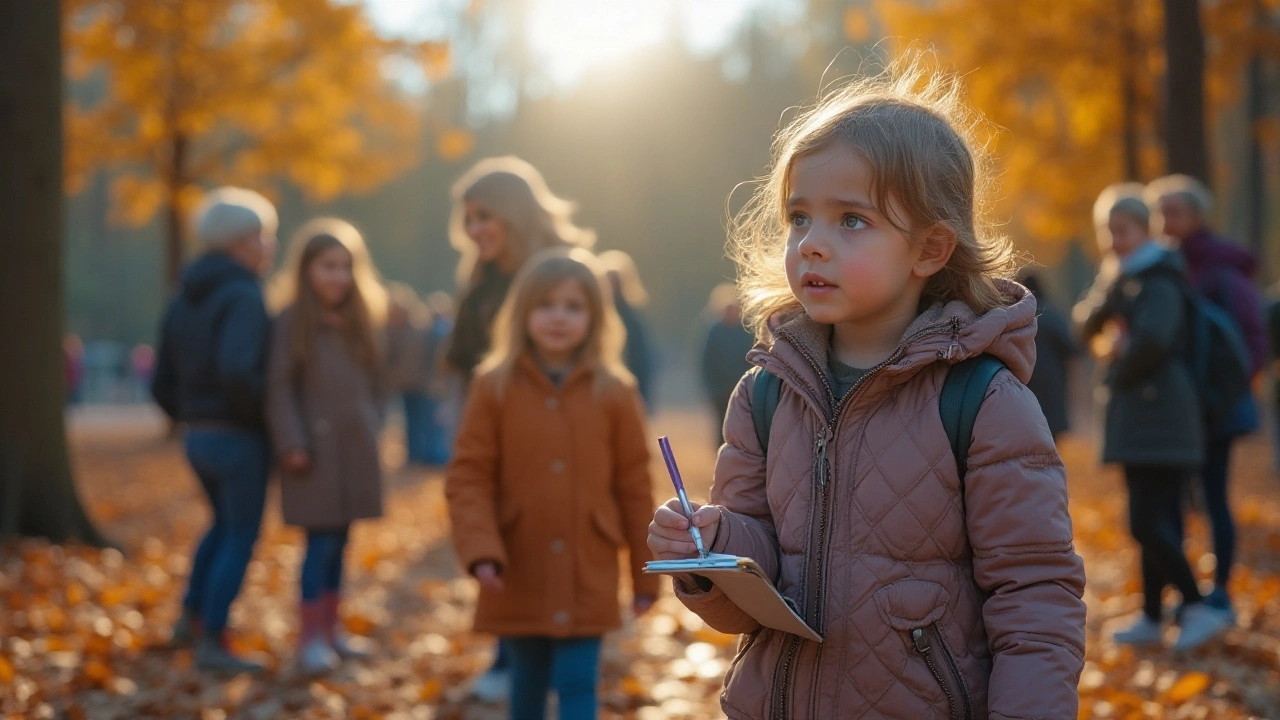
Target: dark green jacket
(1151, 410)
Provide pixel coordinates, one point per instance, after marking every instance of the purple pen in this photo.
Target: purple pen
(665, 445)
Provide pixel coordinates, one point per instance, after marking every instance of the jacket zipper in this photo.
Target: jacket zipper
(817, 561)
(959, 708)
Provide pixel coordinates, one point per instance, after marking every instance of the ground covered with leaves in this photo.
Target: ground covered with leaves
(82, 631)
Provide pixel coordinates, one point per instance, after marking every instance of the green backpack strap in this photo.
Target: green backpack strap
(962, 394)
(765, 391)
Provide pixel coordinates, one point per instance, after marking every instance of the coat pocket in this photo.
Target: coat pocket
(609, 522)
(914, 607)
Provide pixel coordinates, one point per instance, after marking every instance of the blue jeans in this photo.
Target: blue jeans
(322, 568)
(233, 467)
(571, 666)
(417, 418)
(1215, 475)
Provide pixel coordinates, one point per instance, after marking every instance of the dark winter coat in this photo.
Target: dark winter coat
(1223, 273)
(724, 360)
(211, 365)
(1054, 348)
(473, 327)
(638, 353)
(1150, 404)
(332, 408)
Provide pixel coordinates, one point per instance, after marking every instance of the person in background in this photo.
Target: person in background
(724, 351)
(73, 367)
(142, 363)
(629, 296)
(503, 212)
(408, 367)
(210, 374)
(325, 400)
(1273, 330)
(549, 479)
(1054, 350)
(1136, 320)
(443, 389)
(1222, 272)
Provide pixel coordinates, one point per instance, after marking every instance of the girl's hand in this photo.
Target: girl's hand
(669, 537)
(487, 574)
(641, 604)
(296, 461)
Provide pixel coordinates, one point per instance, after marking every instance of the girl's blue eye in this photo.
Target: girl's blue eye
(853, 222)
(798, 220)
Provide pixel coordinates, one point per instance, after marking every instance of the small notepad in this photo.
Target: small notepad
(744, 582)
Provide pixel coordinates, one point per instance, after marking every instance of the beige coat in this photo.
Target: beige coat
(550, 483)
(332, 408)
(932, 605)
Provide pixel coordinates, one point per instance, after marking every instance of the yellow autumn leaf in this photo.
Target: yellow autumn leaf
(1188, 686)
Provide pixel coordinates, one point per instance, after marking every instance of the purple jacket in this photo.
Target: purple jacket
(1223, 272)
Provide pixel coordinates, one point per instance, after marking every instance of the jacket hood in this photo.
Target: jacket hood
(1204, 249)
(1151, 256)
(948, 332)
(210, 272)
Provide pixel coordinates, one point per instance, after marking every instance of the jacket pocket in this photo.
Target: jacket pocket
(609, 524)
(914, 607)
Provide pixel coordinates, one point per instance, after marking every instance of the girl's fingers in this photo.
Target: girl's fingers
(706, 516)
(669, 518)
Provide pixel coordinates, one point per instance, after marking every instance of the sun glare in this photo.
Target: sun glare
(570, 37)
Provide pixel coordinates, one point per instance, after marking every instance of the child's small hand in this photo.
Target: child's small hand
(487, 574)
(641, 604)
(669, 537)
(296, 461)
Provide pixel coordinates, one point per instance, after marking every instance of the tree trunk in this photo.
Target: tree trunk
(1185, 142)
(173, 245)
(37, 491)
(1130, 53)
(1256, 183)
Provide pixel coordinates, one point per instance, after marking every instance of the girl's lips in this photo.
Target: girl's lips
(814, 283)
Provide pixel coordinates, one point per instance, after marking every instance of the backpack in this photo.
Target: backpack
(962, 394)
(1219, 358)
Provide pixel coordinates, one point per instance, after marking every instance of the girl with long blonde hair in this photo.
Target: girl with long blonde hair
(549, 479)
(325, 398)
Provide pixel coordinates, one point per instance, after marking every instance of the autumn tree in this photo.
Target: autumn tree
(1185, 141)
(199, 92)
(37, 494)
(1076, 88)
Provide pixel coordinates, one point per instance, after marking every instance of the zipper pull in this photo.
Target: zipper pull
(920, 640)
(821, 469)
(953, 347)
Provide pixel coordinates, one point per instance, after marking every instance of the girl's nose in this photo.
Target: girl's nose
(815, 244)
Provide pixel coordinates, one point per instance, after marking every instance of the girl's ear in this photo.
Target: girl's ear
(937, 243)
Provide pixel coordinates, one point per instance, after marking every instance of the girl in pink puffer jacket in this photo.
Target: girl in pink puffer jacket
(867, 270)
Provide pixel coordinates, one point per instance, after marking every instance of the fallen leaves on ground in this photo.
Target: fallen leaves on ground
(84, 630)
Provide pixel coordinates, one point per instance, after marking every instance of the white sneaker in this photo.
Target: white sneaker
(1145, 632)
(1200, 624)
(317, 658)
(492, 687)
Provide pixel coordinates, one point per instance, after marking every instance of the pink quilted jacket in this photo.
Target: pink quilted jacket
(931, 605)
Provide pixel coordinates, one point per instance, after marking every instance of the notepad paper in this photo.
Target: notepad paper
(745, 583)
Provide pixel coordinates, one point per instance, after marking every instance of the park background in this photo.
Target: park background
(649, 114)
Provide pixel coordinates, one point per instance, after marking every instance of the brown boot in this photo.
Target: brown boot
(347, 647)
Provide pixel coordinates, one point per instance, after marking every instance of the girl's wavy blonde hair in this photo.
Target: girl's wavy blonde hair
(602, 349)
(516, 192)
(920, 139)
(363, 313)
